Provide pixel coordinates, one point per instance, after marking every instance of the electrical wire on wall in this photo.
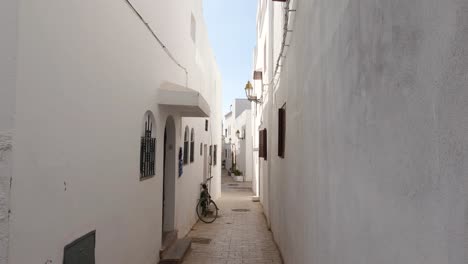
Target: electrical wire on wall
(282, 54)
(168, 52)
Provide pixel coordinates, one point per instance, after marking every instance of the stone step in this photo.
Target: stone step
(169, 238)
(176, 253)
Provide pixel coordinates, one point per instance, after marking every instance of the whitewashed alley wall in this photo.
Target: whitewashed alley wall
(244, 145)
(8, 27)
(239, 119)
(376, 144)
(87, 73)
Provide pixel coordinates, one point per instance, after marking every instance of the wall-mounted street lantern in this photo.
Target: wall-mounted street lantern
(249, 93)
(238, 135)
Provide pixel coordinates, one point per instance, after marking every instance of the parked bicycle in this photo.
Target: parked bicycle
(207, 210)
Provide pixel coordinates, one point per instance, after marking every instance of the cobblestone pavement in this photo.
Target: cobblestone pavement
(236, 237)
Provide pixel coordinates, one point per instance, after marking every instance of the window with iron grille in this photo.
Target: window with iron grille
(262, 144)
(211, 155)
(147, 150)
(215, 155)
(281, 131)
(186, 145)
(192, 145)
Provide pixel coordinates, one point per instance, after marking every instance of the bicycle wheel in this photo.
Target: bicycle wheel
(207, 213)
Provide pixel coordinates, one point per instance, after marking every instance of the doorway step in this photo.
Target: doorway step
(168, 240)
(173, 250)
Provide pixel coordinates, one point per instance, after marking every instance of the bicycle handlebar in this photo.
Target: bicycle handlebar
(207, 180)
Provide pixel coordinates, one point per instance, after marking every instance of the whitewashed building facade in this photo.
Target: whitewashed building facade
(237, 138)
(95, 101)
(373, 165)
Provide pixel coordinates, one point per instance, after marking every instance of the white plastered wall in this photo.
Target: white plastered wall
(244, 145)
(239, 119)
(376, 134)
(87, 73)
(8, 29)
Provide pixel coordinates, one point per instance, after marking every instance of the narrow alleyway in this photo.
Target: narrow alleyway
(240, 235)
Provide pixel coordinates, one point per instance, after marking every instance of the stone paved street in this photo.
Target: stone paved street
(236, 237)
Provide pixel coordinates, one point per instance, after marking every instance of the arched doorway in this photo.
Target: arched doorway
(169, 176)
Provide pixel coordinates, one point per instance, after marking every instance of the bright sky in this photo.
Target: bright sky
(232, 29)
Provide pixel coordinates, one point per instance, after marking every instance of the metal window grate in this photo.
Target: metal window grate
(262, 145)
(186, 152)
(192, 146)
(147, 152)
(186, 145)
(211, 155)
(215, 155)
(281, 131)
(192, 152)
